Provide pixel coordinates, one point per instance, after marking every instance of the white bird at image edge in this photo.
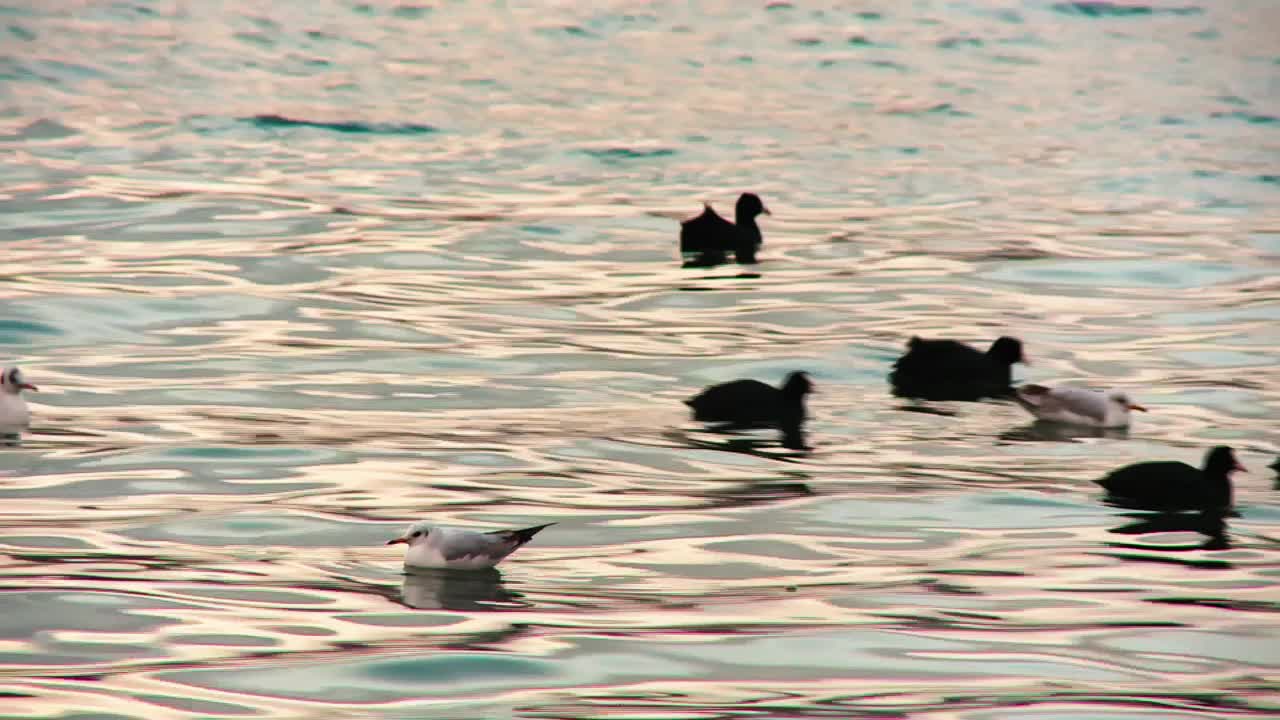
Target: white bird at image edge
(13, 409)
(441, 547)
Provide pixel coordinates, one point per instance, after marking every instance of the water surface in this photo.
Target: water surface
(291, 276)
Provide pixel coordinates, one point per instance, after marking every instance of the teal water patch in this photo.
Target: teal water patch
(943, 108)
(21, 33)
(1266, 241)
(248, 471)
(1102, 9)
(987, 511)
(44, 542)
(95, 611)
(24, 332)
(1256, 646)
(196, 706)
(257, 529)
(380, 680)
(1223, 358)
(410, 12)
(485, 460)
(136, 318)
(1118, 273)
(280, 270)
(42, 129)
(258, 596)
(953, 43)
(616, 155)
(1221, 317)
(224, 640)
(408, 261)
(1233, 402)
(773, 371)
(256, 456)
(1245, 116)
(276, 122)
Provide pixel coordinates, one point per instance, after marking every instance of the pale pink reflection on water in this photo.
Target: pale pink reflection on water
(292, 276)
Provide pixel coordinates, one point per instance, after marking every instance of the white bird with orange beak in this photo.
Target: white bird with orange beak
(440, 547)
(1077, 406)
(13, 409)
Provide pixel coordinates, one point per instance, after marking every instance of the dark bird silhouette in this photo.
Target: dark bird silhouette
(1171, 485)
(951, 370)
(751, 403)
(708, 237)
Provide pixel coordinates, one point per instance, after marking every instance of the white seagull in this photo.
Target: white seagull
(1077, 406)
(440, 547)
(13, 409)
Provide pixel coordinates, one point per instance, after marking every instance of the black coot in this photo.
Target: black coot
(752, 403)
(708, 237)
(1171, 485)
(951, 370)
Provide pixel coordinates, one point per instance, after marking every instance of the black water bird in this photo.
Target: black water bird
(1171, 485)
(753, 403)
(709, 237)
(951, 370)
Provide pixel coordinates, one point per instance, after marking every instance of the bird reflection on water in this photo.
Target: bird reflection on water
(1042, 431)
(1210, 523)
(791, 446)
(463, 590)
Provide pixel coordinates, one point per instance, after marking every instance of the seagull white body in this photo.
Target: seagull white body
(14, 414)
(441, 547)
(1077, 406)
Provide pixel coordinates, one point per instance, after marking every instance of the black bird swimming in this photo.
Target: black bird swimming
(951, 370)
(709, 237)
(1171, 485)
(753, 403)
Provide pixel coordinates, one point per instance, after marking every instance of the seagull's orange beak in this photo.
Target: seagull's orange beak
(398, 541)
(1240, 468)
(28, 386)
(1139, 408)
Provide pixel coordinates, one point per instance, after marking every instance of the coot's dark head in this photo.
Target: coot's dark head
(1007, 350)
(1221, 462)
(749, 206)
(797, 383)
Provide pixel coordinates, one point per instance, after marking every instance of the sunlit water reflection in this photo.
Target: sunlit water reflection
(290, 276)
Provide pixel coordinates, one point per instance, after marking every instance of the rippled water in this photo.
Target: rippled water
(291, 275)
